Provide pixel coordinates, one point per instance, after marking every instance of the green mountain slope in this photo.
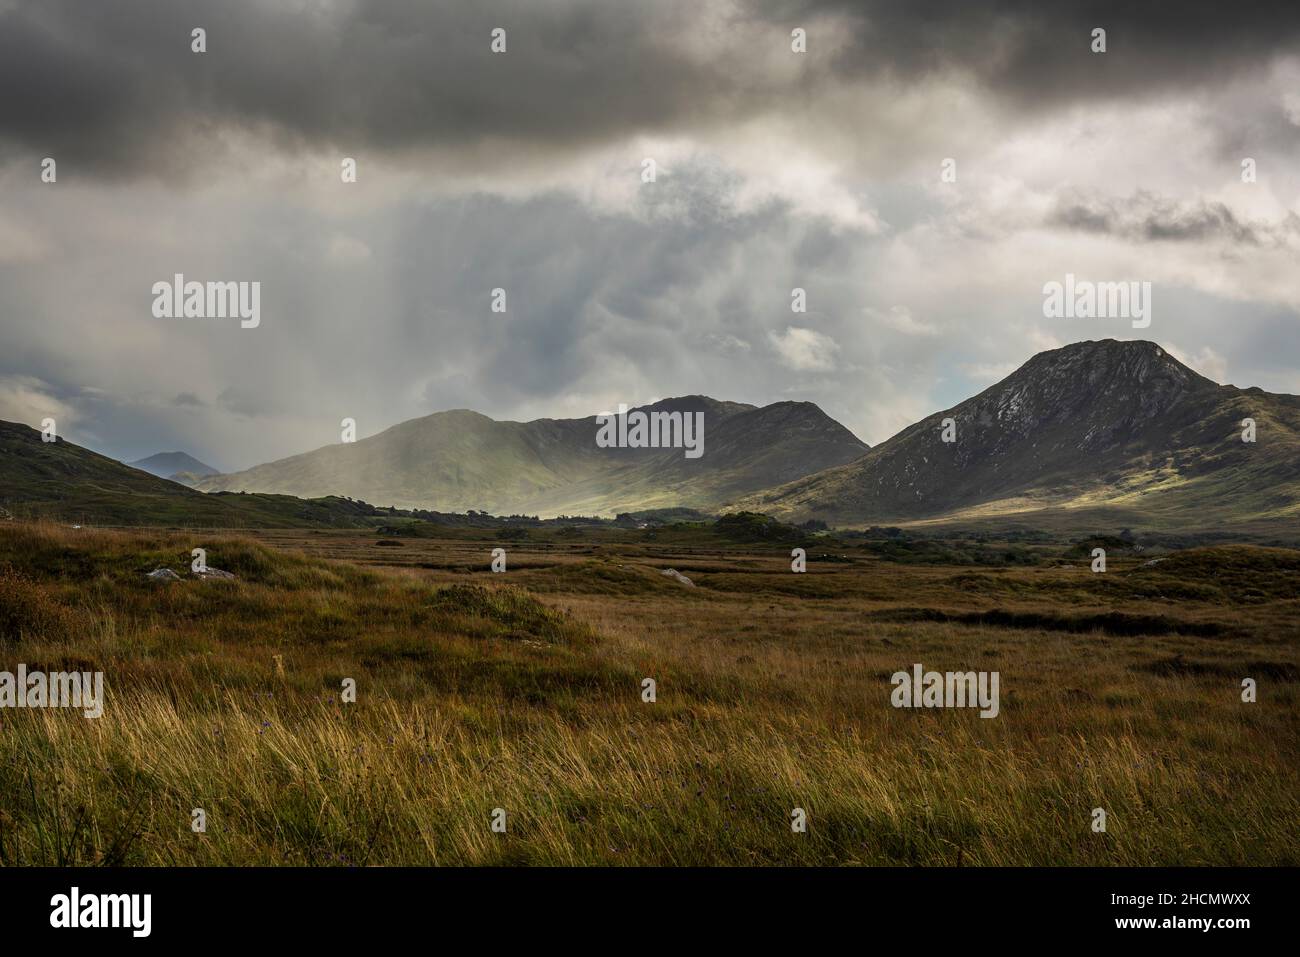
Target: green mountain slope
(458, 460)
(63, 481)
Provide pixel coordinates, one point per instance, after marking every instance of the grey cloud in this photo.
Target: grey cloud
(114, 88)
(1147, 217)
(243, 402)
(1038, 54)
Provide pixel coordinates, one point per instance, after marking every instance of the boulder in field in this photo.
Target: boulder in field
(214, 574)
(674, 573)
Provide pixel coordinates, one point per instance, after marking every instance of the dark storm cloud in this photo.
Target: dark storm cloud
(1038, 52)
(117, 86)
(114, 87)
(1147, 217)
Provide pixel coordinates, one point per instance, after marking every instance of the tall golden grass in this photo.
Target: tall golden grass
(773, 694)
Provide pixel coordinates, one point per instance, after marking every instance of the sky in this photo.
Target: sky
(525, 171)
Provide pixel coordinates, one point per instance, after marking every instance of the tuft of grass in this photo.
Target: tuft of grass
(27, 610)
(509, 613)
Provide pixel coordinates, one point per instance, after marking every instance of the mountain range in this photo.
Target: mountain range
(1108, 425)
(459, 460)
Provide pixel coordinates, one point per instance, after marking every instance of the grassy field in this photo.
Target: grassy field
(522, 691)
